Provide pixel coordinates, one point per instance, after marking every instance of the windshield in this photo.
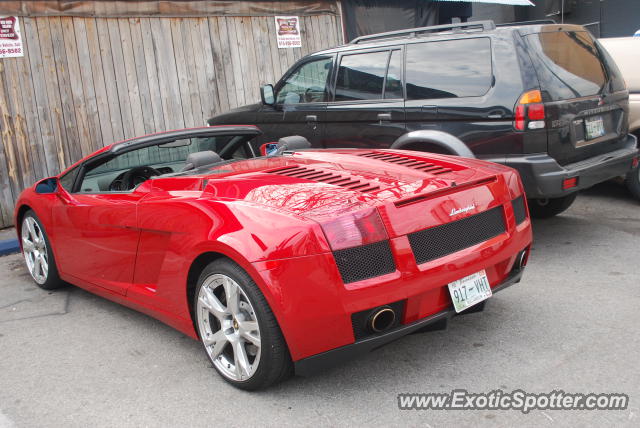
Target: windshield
(124, 171)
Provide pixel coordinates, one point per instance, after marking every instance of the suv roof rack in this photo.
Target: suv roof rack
(536, 22)
(486, 26)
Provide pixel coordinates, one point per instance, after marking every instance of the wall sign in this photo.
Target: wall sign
(10, 38)
(288, 32)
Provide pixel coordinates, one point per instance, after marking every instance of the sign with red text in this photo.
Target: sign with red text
(288, 32)
(10, 38)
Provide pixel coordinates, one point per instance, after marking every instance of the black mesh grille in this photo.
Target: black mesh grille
(366, 261)
(436, 242)
(518, 209)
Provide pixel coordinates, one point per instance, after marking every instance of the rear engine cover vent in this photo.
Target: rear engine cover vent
(324, 176)
(408, 162)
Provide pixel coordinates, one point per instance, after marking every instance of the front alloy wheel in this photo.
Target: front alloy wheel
(229, 328)
(35, 250)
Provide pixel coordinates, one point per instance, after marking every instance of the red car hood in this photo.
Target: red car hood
(325, 183)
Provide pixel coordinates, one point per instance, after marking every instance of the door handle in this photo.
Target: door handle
(384, 117)
(495, 114)
(312, 118)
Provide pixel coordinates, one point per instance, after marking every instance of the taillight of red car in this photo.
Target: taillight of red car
(354, 229)
(529, 112)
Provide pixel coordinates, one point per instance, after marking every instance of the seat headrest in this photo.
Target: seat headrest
(198, 159)
(293, 142)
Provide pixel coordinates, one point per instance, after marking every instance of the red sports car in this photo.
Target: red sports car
(290, 260)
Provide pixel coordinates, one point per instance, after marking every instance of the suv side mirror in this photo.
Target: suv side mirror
(267, 95)
(48, 185)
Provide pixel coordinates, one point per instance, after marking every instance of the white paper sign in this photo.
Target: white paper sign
(10, 38)
(288, 32)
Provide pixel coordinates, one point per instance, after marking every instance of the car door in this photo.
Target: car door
(98, 237)
(367, 109)
(96, 234)
(301, 101)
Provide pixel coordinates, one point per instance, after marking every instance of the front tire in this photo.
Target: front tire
(38, 254)
(633, 182)
(238, 329)
(545, 208)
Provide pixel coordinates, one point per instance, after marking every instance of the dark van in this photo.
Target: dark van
(542, 98)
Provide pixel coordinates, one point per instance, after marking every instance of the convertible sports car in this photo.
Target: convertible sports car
(291, 260)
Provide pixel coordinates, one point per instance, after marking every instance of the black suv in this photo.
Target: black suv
(542, 98)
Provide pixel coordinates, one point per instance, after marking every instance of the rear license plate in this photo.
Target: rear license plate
(469, 290)
(594, 127)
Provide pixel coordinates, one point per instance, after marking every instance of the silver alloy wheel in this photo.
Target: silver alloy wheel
(34, 249)
(228, 327)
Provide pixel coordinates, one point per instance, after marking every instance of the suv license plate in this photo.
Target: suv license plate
(594, 127)
(469, 290)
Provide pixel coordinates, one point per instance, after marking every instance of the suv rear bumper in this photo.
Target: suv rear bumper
(542, 176)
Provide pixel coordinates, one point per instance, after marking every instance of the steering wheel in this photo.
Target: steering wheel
(134, 176)
(310, 94)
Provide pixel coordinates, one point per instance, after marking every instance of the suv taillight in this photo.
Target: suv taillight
(529, 111)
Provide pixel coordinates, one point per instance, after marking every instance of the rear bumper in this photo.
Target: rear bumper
(542, 176)
(320, 362)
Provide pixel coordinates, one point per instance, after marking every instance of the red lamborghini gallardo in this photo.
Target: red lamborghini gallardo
(278, 258)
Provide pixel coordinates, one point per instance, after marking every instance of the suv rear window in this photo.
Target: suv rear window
(448, 69)
(567, 63)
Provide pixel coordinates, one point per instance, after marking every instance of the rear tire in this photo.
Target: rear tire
(237, 328)
(38, 254)
(633, 182)
(545, 208)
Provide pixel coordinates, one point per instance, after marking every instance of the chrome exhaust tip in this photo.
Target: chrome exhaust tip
(521, 260)
(381, 319)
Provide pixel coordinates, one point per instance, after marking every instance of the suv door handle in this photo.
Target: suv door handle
(495, 114)
(384, 117)
(312, 118)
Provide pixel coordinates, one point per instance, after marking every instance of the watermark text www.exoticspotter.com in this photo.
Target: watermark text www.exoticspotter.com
(461, 399)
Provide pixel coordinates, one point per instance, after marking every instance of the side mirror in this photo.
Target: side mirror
(268, 148)
(267, 95)
(48, 185)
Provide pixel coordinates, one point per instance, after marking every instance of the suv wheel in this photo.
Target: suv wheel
(633, 182)
(545, 208)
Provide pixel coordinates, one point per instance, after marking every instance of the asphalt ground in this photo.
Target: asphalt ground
(69, 358)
